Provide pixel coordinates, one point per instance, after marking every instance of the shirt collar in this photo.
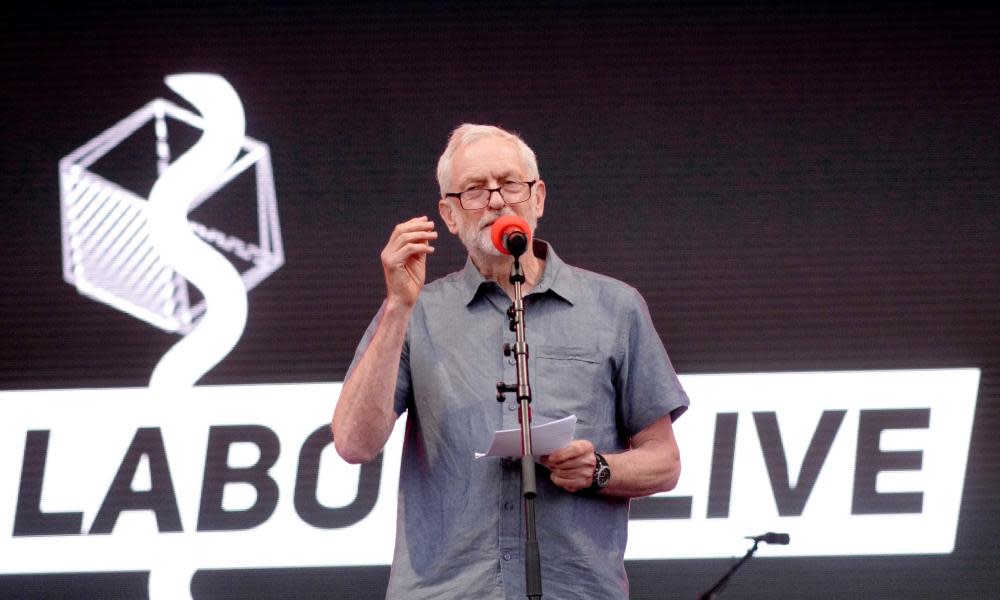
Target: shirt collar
(558, 277)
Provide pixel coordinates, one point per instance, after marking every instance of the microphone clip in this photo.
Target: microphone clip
(770, 537)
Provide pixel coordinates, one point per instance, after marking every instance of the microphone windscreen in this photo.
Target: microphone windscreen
(504, 227)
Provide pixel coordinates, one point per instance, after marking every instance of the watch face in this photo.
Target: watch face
(603, 475)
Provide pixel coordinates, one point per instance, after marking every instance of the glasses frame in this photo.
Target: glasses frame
(489, 196)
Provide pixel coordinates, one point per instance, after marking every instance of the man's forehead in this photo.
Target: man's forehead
(487, 157)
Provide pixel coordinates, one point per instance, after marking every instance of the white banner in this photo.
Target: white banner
(847, 463)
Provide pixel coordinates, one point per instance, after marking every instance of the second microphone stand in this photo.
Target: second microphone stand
(716, 589)
(532, 558)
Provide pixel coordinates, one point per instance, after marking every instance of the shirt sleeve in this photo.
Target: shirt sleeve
(646, 383)
(404, 387)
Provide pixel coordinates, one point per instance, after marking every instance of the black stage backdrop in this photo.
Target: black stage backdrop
(790, 188)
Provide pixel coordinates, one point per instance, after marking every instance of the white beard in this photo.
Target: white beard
(477, 237)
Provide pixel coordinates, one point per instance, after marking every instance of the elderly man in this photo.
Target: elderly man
(434, 351)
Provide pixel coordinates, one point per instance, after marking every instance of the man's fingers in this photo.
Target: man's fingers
(576, 450)
(413, 236)
(579, 462)
(413, 225)
(408, 239)
(413, 249)
(570, 484)
(397, 257)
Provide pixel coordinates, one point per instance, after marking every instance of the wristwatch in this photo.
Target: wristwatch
(602, 474)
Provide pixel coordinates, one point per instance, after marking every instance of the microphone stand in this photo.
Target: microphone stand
(532, 558)
(716, 589)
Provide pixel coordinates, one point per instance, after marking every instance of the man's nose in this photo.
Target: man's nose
(496, 200)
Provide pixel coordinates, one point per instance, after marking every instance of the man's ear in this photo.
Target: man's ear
(447, 211)
(539, 198)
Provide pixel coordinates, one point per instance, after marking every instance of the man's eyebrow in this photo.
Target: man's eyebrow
(479, 177)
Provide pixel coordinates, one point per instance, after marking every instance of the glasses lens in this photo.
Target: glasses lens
(473, 199)
(514, 192)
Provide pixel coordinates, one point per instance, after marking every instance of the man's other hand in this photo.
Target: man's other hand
(572, 467)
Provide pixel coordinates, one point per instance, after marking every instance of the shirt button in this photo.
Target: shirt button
(511, 361)
(512, 405)
(506, 555)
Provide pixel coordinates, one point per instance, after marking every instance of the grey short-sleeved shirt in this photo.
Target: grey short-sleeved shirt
(593, 353)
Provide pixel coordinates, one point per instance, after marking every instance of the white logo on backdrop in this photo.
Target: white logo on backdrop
(139, 255)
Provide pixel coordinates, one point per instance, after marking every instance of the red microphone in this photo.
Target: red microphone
(511, 235)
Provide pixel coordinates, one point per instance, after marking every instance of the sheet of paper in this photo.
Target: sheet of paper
(545, 438)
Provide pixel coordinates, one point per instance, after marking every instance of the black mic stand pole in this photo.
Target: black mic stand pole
(532, 558)
(716, 589)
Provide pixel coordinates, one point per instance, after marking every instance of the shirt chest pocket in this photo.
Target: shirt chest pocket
(569, 380)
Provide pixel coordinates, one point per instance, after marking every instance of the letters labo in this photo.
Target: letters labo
(161, 498)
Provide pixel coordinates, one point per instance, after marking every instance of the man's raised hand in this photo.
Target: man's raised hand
(404, 260)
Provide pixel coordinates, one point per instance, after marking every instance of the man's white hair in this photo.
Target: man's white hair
(466, 134)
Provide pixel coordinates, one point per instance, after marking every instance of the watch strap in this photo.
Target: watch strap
(602, 474)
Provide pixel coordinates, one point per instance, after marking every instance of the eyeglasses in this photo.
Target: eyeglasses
(511, 192)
